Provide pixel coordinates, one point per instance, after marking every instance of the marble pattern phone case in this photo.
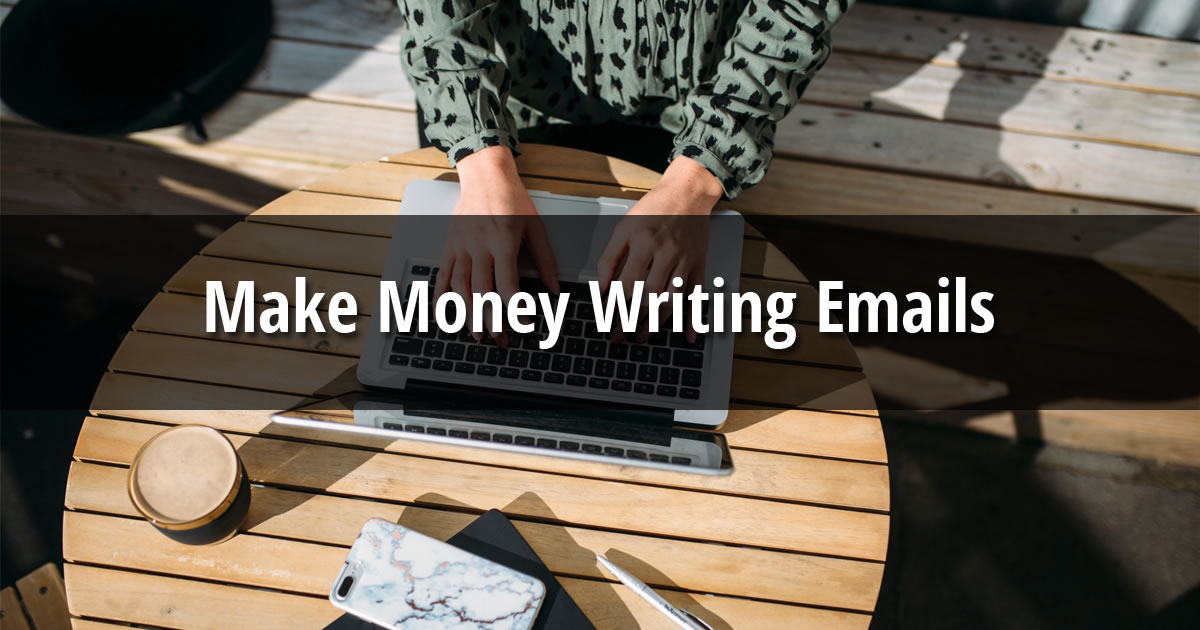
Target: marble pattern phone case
(404, 579)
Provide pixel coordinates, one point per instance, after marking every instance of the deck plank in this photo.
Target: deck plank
(894, 32)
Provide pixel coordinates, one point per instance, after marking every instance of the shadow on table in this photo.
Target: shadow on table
(984, 536)
(601, 601)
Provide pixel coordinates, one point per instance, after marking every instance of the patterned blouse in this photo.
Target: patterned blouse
(718, 74)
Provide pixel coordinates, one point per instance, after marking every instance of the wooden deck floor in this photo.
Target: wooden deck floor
(917, 112)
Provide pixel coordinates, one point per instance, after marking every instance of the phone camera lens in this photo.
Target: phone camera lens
(344, 588)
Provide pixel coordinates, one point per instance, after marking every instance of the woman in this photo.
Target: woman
(704, 82)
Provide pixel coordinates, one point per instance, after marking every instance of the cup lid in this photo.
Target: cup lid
(185, 475)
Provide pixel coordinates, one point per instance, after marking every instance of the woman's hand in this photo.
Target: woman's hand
(664, 236)
(493, 218)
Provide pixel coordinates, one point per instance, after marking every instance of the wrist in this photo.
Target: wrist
(690, 182)
(491, 167)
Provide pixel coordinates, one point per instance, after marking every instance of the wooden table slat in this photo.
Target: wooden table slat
(597, 503)
(311, 374)
(279, 519)
(794, 431)
(180, 603)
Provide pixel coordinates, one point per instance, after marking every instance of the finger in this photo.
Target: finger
(610, 259)
(460, 279)
(445, 269)
(694, 279)
(542, 254)
(481, 282)
(657, 279)
(507, 277)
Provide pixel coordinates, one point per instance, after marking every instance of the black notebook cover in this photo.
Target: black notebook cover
(492, 536)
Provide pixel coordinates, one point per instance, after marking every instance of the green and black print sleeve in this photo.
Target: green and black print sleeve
(449, 57)
(729, 120)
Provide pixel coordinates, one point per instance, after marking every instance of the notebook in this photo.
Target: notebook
(492, 536)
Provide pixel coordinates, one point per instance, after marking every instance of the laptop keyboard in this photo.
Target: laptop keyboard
(578, 445)
(665, 367)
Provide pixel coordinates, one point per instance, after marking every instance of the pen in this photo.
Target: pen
(680, 616)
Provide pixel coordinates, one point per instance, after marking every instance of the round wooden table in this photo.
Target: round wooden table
(795, 538)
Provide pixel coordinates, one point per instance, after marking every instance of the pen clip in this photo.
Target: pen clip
(692, 617)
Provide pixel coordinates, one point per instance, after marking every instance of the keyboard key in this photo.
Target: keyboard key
(618, 351)
(568, 445)
(420, 270)
(597, 349)
(576, 380)
(428, 334)
(433, 349)
(531, 375)
(435, 431)
(688, 359)
(497, 356)
(553, 377)
(464, 368)
(648, 373)
(414, 428)
(598, 383)
(476, 353)
(584, 310)
(546, 443)
(659, 338)
(482, 436)
(635, 454)
(576, 346)
(455, 351)
(663, 459)
(679, 340)
(668, 376)
(592, 332)
(691, 394)
(561, 363)
(446, 335)
(406, 345)
(525, 440)
(666, 391)
(539, 360)
(677, 459)
(660, 356)
(582, 365)
(639, 353)
(627, 371)
(502, 438)
(573, 328)
(420, 362)
(518, 358)
(591, 448)
(613, 451)
(443, 365)
(605, 368)
(531, 341)
(398, 359)
(643, 388)
(691, 378)
(509, 372)
(622, 386)
(393, 426)
(458, 433)
(486, 370)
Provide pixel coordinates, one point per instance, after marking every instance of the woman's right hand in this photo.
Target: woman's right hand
(493, 218)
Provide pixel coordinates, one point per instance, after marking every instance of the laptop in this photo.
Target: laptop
(588, 396)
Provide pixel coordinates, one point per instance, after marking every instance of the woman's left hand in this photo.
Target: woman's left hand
(664, 236)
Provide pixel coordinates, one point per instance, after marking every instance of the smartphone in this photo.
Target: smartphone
(400, 578)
